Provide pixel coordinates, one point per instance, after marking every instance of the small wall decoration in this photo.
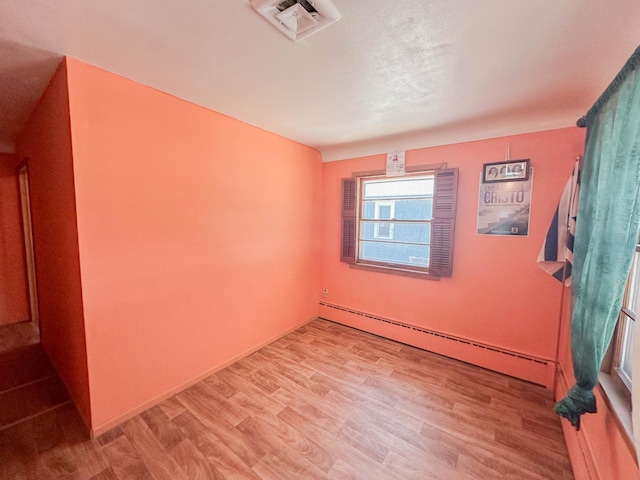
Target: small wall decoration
(395, 164)
(508, 171)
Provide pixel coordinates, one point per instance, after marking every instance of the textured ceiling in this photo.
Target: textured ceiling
(390, 74)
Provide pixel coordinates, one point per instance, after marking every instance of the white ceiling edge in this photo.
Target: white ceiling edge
(439, 71)
(436, 138)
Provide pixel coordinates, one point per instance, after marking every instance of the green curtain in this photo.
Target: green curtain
(606, 231)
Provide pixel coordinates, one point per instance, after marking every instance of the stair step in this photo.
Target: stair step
(18, 335)
(24, 365)
(32, 399)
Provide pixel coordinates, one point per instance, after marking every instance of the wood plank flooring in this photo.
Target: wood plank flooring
(324, 402)
(29, 385)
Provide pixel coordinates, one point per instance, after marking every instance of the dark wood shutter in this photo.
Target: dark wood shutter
(443, 223)
(349, 203)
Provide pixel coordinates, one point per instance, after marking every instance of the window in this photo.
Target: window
(622, 343)
(407, 203)
(616, 376)
(400, 224)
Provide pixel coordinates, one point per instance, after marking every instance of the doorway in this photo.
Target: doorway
(27, 229)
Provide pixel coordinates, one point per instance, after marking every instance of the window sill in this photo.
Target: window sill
(395, 271)
(619, 404)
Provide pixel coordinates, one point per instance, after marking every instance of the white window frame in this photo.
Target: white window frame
(622, 343)
(614, 381)
(441, 241)
(417, 267)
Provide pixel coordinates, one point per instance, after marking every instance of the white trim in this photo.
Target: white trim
(436, 137)
(635, 387)
(618, 401)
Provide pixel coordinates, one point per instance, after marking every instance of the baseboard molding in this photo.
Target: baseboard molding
(105, 427)
(583, 459)
(516, 364)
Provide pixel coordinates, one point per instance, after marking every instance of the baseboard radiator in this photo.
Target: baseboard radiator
(516, 364)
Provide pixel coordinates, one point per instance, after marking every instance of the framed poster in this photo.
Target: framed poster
(511, 171)
(504, 207)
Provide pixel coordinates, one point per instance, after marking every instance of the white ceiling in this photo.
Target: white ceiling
(390, 75)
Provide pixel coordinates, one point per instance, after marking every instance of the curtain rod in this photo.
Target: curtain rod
(632, 64)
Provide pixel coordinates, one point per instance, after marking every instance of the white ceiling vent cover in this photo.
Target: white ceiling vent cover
(298, 19)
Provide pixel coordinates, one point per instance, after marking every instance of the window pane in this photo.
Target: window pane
(397, 231)
(398, 188)
(408, 209)
(384, 230)
(384, 212)
(388, 252)
(623, 341)
(394, 220)
(627, 347)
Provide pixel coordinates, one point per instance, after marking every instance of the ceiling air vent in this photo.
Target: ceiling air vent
(297, 19)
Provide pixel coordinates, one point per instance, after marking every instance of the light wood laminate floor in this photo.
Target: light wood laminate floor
(326, 401)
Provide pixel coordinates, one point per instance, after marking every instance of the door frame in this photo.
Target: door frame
(27, 232)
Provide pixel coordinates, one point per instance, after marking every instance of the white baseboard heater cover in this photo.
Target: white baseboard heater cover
(519, 365)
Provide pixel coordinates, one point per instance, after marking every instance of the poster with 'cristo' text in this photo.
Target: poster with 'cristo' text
(504, 208)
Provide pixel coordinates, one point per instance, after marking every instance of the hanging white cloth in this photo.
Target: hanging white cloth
(557, 249)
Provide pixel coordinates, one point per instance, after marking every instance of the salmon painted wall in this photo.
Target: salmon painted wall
(46, 142)
(497, 294)
(599, 450)
(13, 276)
(199, 238)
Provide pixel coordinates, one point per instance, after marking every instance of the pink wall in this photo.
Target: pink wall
(13, 277)
(497, 294)
(599, 449)
(46, 142)
(198, 238)
(198, 234)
